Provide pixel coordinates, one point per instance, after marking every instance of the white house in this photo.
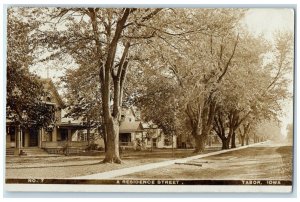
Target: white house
(134, 133)
(156, 138)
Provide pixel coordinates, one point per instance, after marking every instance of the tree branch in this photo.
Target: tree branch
(229, 60)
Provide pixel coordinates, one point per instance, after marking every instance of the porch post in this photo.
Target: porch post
(40, 138)
(21, 137)
(8, 137)
(69, 135)
(16, 137)
(54, 134)
(18, 141)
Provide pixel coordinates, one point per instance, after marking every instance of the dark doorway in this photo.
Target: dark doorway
(63, 134)
(12, 133)
(33, 138)
(125, 137)
(154, 142)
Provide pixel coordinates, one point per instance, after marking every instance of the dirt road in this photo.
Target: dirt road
(262, 162)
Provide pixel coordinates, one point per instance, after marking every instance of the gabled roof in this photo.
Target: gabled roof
(149, 125)
(48, 84)
(130, 127)
(133, 110)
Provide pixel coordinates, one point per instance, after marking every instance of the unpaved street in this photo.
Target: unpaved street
(260, 162)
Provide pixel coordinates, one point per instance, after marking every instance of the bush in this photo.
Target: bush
(139, 145)
(100, 149)
(92, 147)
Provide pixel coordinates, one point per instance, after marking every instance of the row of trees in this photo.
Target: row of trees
(224, 80)
(195, 70)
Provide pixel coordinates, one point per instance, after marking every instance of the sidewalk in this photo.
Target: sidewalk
(130, 170)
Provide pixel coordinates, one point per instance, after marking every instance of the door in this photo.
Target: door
(33, 137)
(154, 144)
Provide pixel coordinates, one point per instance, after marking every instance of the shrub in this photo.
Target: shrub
(92, 147)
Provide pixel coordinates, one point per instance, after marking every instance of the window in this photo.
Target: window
(122, 117)
(48, 99)
(83, 137)
(167, 142)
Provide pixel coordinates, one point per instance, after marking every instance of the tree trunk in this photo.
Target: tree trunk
(233, 145)
(247, 140)
(243, 140)
(104, 137)
(225, 143)
(112, 154)
(226, 140)
(106, 73)
(88, 131)
(105, 143)
(200, 143)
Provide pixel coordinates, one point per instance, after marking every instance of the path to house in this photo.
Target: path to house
(140, 168)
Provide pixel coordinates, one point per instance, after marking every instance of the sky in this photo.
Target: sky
(260, 21)
(266, 21)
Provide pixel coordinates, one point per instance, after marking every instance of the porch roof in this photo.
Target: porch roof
(130, 127)
(71, 126)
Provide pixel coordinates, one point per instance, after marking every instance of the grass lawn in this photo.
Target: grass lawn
(72, 166)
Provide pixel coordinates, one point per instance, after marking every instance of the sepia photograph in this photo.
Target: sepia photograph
(149, 99)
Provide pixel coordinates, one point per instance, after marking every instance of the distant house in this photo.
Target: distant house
(134, 133)
(187, 141)
(58, 136)
(131, 129)
(156, 138)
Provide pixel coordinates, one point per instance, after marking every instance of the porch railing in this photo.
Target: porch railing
(61, 144)
(125, 144)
